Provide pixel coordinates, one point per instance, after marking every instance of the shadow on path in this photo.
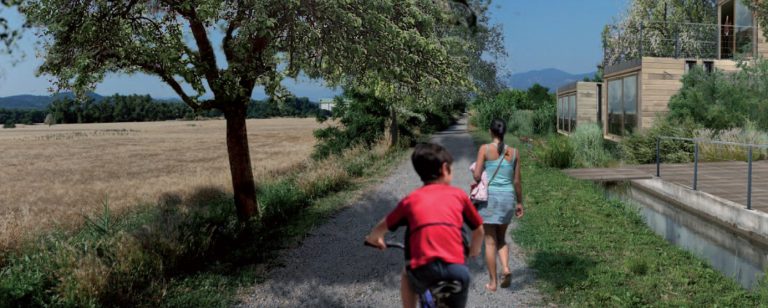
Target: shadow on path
(332, 268)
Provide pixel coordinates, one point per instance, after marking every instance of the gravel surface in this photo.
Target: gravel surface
(331, 267)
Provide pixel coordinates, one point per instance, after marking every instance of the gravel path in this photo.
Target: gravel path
(331, 268)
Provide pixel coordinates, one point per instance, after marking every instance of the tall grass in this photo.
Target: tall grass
(717, 152)
(589, 150)
(556, 152)
(521, 123)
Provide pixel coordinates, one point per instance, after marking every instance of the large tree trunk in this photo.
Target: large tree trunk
(394, 131)
(240, 162)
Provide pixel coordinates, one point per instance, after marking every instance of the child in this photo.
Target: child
(434, 215)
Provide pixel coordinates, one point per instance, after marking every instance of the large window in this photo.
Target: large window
(566, 113)
(560, 113)
(622, 105)
(572, 108)
(737, 29)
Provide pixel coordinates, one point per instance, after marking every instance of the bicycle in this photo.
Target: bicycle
(434, 296)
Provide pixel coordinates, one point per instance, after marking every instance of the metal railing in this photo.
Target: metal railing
(678, 40)
(750, 147)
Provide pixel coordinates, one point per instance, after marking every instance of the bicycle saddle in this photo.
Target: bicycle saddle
(446, 288)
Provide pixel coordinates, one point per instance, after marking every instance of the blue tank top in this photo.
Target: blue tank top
(504, 180)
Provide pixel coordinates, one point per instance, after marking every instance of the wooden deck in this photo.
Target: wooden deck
(727, 180)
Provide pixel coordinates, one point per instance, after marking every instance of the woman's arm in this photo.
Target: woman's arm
(479, 165)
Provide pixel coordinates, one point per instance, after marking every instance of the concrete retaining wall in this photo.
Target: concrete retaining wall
(736, 217)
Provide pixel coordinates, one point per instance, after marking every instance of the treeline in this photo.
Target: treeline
(143, 108)
(12, 116)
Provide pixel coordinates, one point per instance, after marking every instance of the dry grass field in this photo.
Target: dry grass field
(52, 176)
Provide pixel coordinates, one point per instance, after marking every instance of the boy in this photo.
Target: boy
(434, 215)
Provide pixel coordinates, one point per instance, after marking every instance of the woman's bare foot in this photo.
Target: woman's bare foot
(491, 287)
(506, 280)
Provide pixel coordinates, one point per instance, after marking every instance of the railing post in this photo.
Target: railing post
(695, 163)
(749, 179)
(658, 157)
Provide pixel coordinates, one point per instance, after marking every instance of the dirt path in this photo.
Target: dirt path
(331, 268)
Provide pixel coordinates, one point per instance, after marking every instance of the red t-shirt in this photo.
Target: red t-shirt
(434, 215)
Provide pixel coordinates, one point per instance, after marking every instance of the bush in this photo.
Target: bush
(640, 147)
(722, 101)
(9, 124)
(557, 152)
(544, 120)
(521, 123)
(362, 119)
(487, 109)
(587, 142)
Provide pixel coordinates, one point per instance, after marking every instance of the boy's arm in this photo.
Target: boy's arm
(477, 242)
(376, 237)
(475, 222)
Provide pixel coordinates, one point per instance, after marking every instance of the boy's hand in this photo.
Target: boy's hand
(376, 241)
(475, 251)
(519, 212)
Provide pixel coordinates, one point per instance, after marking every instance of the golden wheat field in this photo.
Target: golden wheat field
(52, 176)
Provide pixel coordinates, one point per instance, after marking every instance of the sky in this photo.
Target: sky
(538, 34)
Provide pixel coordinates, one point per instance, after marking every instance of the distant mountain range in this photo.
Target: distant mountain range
(38, 102)
(551, 78)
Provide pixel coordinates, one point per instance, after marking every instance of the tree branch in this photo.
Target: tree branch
(205, 49)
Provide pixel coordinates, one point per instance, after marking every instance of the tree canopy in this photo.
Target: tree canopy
(399, 46)
(9, 33)
(662, 28)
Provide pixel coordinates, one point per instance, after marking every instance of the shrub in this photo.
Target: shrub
(557, 152)
(640, 147)
(544, 120)
(487, 109)
(362, 119)
(722, 101)
(9, 124)
(587, 142)
(521, 123)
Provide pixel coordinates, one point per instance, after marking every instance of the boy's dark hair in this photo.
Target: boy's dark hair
(428, 159)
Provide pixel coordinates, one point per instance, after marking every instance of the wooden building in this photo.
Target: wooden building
(636, 92)
(578, 102)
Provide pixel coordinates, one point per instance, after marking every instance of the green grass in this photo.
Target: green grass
(181, 252)
(591, 251)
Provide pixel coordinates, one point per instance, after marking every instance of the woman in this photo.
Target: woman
(505, 199)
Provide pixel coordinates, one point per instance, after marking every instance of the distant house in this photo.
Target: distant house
(638, 90)
(578, 102)
(327, 104)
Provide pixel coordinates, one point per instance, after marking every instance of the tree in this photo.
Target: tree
(262, 42)
(8, 33)
(662, 28)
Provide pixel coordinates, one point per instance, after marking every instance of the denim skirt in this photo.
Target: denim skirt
(499, 209)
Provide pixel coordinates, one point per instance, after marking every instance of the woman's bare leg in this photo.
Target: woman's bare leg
(490, 255)
(501, 245)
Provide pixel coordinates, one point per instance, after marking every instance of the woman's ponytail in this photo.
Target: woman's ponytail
(498, 130)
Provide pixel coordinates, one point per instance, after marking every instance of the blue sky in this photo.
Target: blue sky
(538, 34)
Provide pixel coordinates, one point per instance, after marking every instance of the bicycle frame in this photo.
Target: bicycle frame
(428, 299)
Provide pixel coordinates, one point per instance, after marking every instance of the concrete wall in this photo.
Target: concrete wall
(750, 223)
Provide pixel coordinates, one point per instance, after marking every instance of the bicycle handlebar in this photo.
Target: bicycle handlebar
(389, 245)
